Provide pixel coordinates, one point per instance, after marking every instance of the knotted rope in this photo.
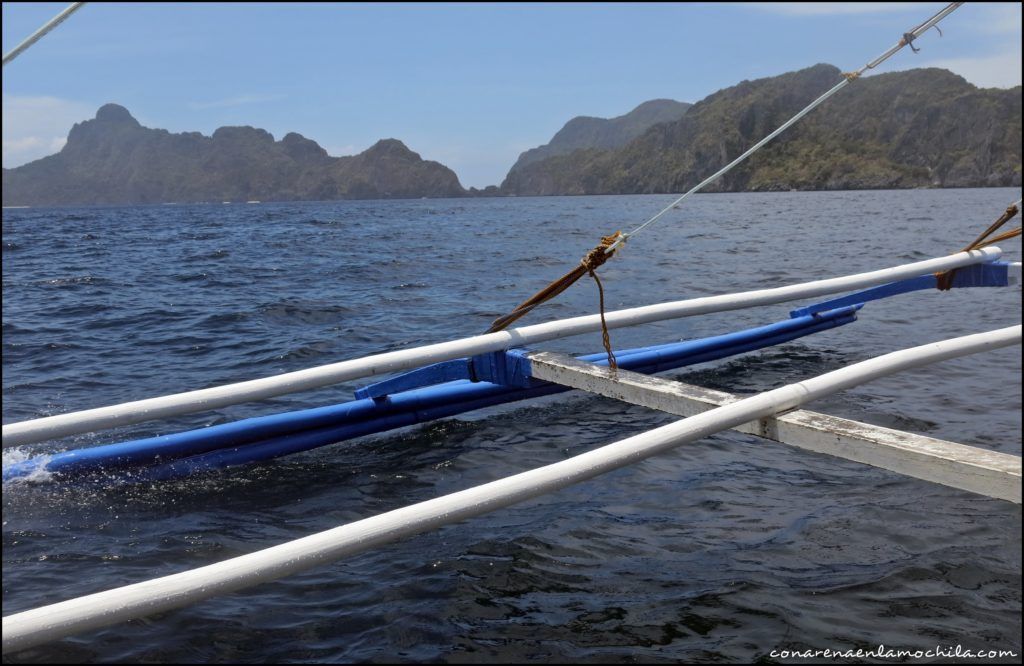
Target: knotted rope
(595, 258)
(588, 265)
(944, 280)
(609, 244)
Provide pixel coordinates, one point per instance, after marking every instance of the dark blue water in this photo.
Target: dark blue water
(719, 551)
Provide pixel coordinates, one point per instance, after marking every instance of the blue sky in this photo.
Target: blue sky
(468, 85)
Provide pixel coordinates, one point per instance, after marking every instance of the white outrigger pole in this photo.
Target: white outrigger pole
(102, 418)
(33, 627)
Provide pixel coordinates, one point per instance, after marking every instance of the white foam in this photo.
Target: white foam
(18, 454)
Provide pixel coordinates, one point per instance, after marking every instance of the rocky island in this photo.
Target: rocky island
(916, 128)
(910, 129)
(112, 159)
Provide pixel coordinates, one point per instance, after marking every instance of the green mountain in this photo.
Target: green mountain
(604, 133)
(917, 128)
(112, 159)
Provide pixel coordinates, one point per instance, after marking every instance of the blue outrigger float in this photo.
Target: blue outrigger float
(441, 390)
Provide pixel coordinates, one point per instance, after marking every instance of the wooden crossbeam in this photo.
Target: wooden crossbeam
(970, 468)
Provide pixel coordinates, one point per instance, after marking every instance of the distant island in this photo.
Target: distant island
(586, 132)
(910, 129)
(112, 159)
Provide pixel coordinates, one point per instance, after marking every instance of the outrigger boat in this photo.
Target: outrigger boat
(449, 378)
(448, 387)
(499, 372)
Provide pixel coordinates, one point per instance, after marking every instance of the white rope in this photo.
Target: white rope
(916, 32)
(49, 623)
(728, 167)
(38, 34)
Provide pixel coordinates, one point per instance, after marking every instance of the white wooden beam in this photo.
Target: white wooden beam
(968, 468)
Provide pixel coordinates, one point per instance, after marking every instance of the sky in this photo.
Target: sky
(468, 85)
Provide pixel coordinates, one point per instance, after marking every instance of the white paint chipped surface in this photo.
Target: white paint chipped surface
(970, 468)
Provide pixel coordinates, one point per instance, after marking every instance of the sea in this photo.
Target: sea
(730, 549)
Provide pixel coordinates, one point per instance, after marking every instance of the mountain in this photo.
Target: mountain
(916, 128)
(112, 159)
(604, 133)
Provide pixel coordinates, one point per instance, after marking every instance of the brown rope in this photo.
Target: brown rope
(944, 280)
(591, 261)
(588, 265)
(1006, 235)
(605, 339)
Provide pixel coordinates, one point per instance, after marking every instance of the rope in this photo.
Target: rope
(944, 280)
(593, 260)
(38, 34)
(848, 77)
(609, 244)
(1012, 233)
(605, 338)
(588, 265)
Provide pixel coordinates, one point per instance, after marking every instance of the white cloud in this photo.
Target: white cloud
(990, 34)
(996, 71)
(832, 8)
(34, 127)
(238, 100)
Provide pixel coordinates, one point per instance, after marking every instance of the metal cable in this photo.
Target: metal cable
(38, 34)
(849, 77)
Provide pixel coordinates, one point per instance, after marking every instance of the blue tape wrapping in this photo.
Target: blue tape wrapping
(992, 274)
